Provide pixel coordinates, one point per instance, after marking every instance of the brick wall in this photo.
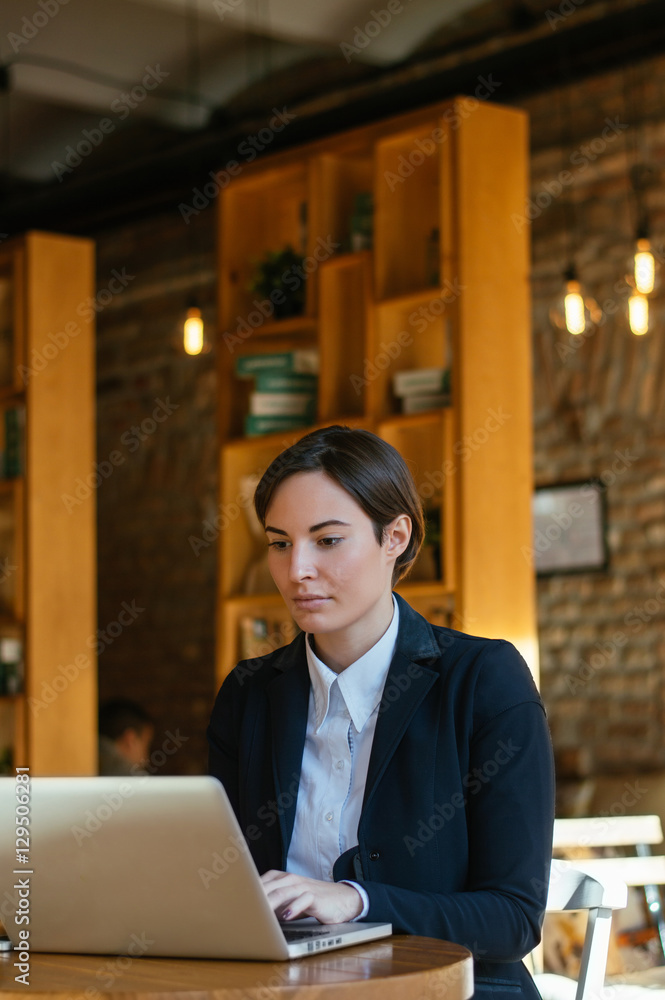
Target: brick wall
(599, 411)
(157, 430)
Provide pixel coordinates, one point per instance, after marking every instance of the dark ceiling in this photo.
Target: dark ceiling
(230, 62)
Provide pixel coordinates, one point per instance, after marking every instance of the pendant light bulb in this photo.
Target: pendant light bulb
(193, 331)
(638, 314)
(645, 267)
(573, 307)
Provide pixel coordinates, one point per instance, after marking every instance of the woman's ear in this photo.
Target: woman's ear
(398, 535)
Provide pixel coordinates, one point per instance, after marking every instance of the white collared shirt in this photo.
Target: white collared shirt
(341, 721)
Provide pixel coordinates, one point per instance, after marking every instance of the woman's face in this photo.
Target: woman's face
(325, 559)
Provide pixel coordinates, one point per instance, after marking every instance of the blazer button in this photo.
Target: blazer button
(374, 855)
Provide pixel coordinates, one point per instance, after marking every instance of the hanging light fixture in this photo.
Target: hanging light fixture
(575, 312)
(638, 314)
(642, 279)
(644, 269)
(193, 330)
(573, 304)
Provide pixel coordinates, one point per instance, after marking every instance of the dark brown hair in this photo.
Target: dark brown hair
(367, 467)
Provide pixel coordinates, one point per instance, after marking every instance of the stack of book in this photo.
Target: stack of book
(421, 389)
(284, 396)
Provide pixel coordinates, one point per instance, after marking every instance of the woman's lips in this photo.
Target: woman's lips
(309, 602)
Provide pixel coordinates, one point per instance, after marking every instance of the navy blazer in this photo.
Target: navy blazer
(455, 834)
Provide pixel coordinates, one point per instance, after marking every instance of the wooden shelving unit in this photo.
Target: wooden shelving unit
(47, 551)
(444, 285)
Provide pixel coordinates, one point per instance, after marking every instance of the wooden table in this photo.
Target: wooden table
(397, 968)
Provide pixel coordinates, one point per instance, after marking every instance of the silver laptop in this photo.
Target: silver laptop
(145, 865)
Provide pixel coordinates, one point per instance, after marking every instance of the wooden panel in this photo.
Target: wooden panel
(345, 288)
(493, 361)
(407, 181)
(60, 556)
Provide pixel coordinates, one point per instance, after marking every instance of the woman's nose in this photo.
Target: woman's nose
(302, 565)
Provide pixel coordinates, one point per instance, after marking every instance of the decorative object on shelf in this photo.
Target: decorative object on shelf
(11, 665)
(279, 277)
(285, 397)
(259, 636)
(421, 389)
(361, 226)
(193, 329)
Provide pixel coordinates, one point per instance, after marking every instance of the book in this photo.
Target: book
(269, 381)
(421, 381)
(288, 404)
(255, 425)
(302, 360)
(418, 404)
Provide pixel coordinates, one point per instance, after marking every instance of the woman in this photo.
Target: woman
(382, 767)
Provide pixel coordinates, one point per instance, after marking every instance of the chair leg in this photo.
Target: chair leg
(594, 954)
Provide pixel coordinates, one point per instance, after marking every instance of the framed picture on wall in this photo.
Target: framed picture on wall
(569, 528)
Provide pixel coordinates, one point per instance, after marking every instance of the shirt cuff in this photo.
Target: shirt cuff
(363, 895)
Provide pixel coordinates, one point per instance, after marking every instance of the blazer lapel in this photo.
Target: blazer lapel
(288, 695)
(408, 681)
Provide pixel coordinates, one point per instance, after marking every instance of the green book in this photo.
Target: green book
(303, 361)
(257, 425)
(276, 382)
(282, 404)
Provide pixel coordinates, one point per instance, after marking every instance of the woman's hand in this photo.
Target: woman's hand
(293, 896)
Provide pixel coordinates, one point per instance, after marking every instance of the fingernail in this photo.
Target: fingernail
(286, 914)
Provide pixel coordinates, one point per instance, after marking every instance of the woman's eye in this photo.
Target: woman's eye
(279, 545)
(329, 543)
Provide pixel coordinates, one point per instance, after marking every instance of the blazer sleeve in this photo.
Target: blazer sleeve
(510, 815)
(222, 734)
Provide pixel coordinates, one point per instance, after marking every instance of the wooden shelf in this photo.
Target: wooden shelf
(445, 285)
(47, 556)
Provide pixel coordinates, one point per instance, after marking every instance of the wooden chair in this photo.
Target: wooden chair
(644, 869)
(572, 888)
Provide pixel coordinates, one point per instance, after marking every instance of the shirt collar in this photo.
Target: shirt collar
(361, 684)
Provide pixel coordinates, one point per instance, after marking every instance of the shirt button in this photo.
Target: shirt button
(329, 817)
(374, 855)
(339, 765)
(330, 874)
